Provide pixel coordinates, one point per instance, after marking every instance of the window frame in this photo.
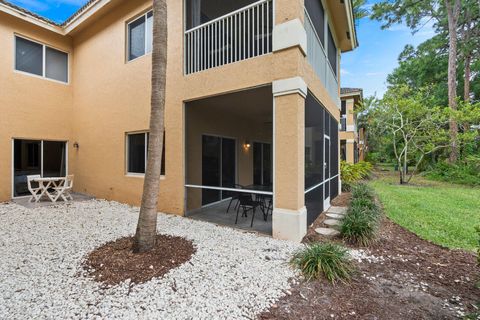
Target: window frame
(127, 35)
(44, 59)
(127, 149)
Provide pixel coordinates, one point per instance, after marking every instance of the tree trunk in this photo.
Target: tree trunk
(466, 84)
(147, 220)
(453, 13)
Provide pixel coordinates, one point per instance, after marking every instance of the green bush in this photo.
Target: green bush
(466, 172)
(324, 259)
(362, 191)
(359, 226)
(361, 222)
(352, 173)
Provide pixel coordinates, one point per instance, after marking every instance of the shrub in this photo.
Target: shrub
(465, 172)
(359, 226)
(352, 173)
(327, 259)
(361, 222)
(362, 191)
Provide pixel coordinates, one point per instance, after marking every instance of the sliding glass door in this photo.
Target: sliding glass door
(262, 164)
(218, 167)
(37, 157)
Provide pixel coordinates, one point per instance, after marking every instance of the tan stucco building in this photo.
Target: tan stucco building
(252, 98)
(352, 137)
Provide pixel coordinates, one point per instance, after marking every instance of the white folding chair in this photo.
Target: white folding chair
(64, 189)
(36, 192)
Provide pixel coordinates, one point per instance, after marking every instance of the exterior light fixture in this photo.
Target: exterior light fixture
(76, 145)
(246, 145)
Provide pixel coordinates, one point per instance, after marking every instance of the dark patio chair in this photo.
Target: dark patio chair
(234, 197)
(246, 203)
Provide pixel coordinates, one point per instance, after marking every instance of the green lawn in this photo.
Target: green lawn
(443, 213)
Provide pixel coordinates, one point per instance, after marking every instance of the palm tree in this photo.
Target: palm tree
(147, 220)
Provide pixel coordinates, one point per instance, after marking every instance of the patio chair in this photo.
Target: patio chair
(234, 197)
(246, 203)
(35, 191)
(64, 190)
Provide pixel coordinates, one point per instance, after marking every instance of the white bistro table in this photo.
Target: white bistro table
(48, 183)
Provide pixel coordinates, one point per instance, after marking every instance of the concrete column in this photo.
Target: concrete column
(289, 213)
(350, 150)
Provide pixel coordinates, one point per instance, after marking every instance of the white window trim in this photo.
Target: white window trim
(44, 58)
(127, 47)
(127, 148)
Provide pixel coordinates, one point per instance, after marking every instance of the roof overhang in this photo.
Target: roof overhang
(344, 23)
(33, 19)
(78, 20)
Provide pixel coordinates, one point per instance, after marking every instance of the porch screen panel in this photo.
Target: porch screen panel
(54, 159)
(26, 161)
(317, 15)
(332, 52)
(314, 169)
(334, 163)
(314, 129)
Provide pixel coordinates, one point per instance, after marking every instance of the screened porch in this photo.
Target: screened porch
(229, 179)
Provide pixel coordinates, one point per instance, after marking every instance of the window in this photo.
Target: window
(137, 151)
(140, 34)
(332, 52)
(41, 60)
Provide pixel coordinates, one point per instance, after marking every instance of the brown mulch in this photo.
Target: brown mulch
(415, 280)
(114, 262)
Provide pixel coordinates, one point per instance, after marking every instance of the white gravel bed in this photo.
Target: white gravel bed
(232, 275)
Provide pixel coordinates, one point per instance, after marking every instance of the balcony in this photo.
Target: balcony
(237, 35)
(318, 58)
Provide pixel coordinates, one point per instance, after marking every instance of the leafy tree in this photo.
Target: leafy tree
(414, 130)
(416, 14)
(147, 220)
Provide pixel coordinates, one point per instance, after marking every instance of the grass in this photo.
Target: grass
(324, 259)
(443, 213)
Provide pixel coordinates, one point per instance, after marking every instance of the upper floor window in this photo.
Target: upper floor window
(332, 52)
(137, 152)
(344, 108)
(317, 16)
(140, 35)
(41, 60)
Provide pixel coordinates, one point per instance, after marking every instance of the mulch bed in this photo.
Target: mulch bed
(114, 262)
(416, 280)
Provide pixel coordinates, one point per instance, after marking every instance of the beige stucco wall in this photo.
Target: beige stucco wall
(30, 107)
(108, 97)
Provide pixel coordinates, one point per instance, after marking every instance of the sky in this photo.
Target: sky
(366, 67)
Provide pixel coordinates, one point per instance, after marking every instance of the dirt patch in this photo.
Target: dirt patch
(114, 262)
(408, 278)
(343, 200)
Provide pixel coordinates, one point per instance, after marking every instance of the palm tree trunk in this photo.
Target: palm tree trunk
(147, 220)
(453, 14)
